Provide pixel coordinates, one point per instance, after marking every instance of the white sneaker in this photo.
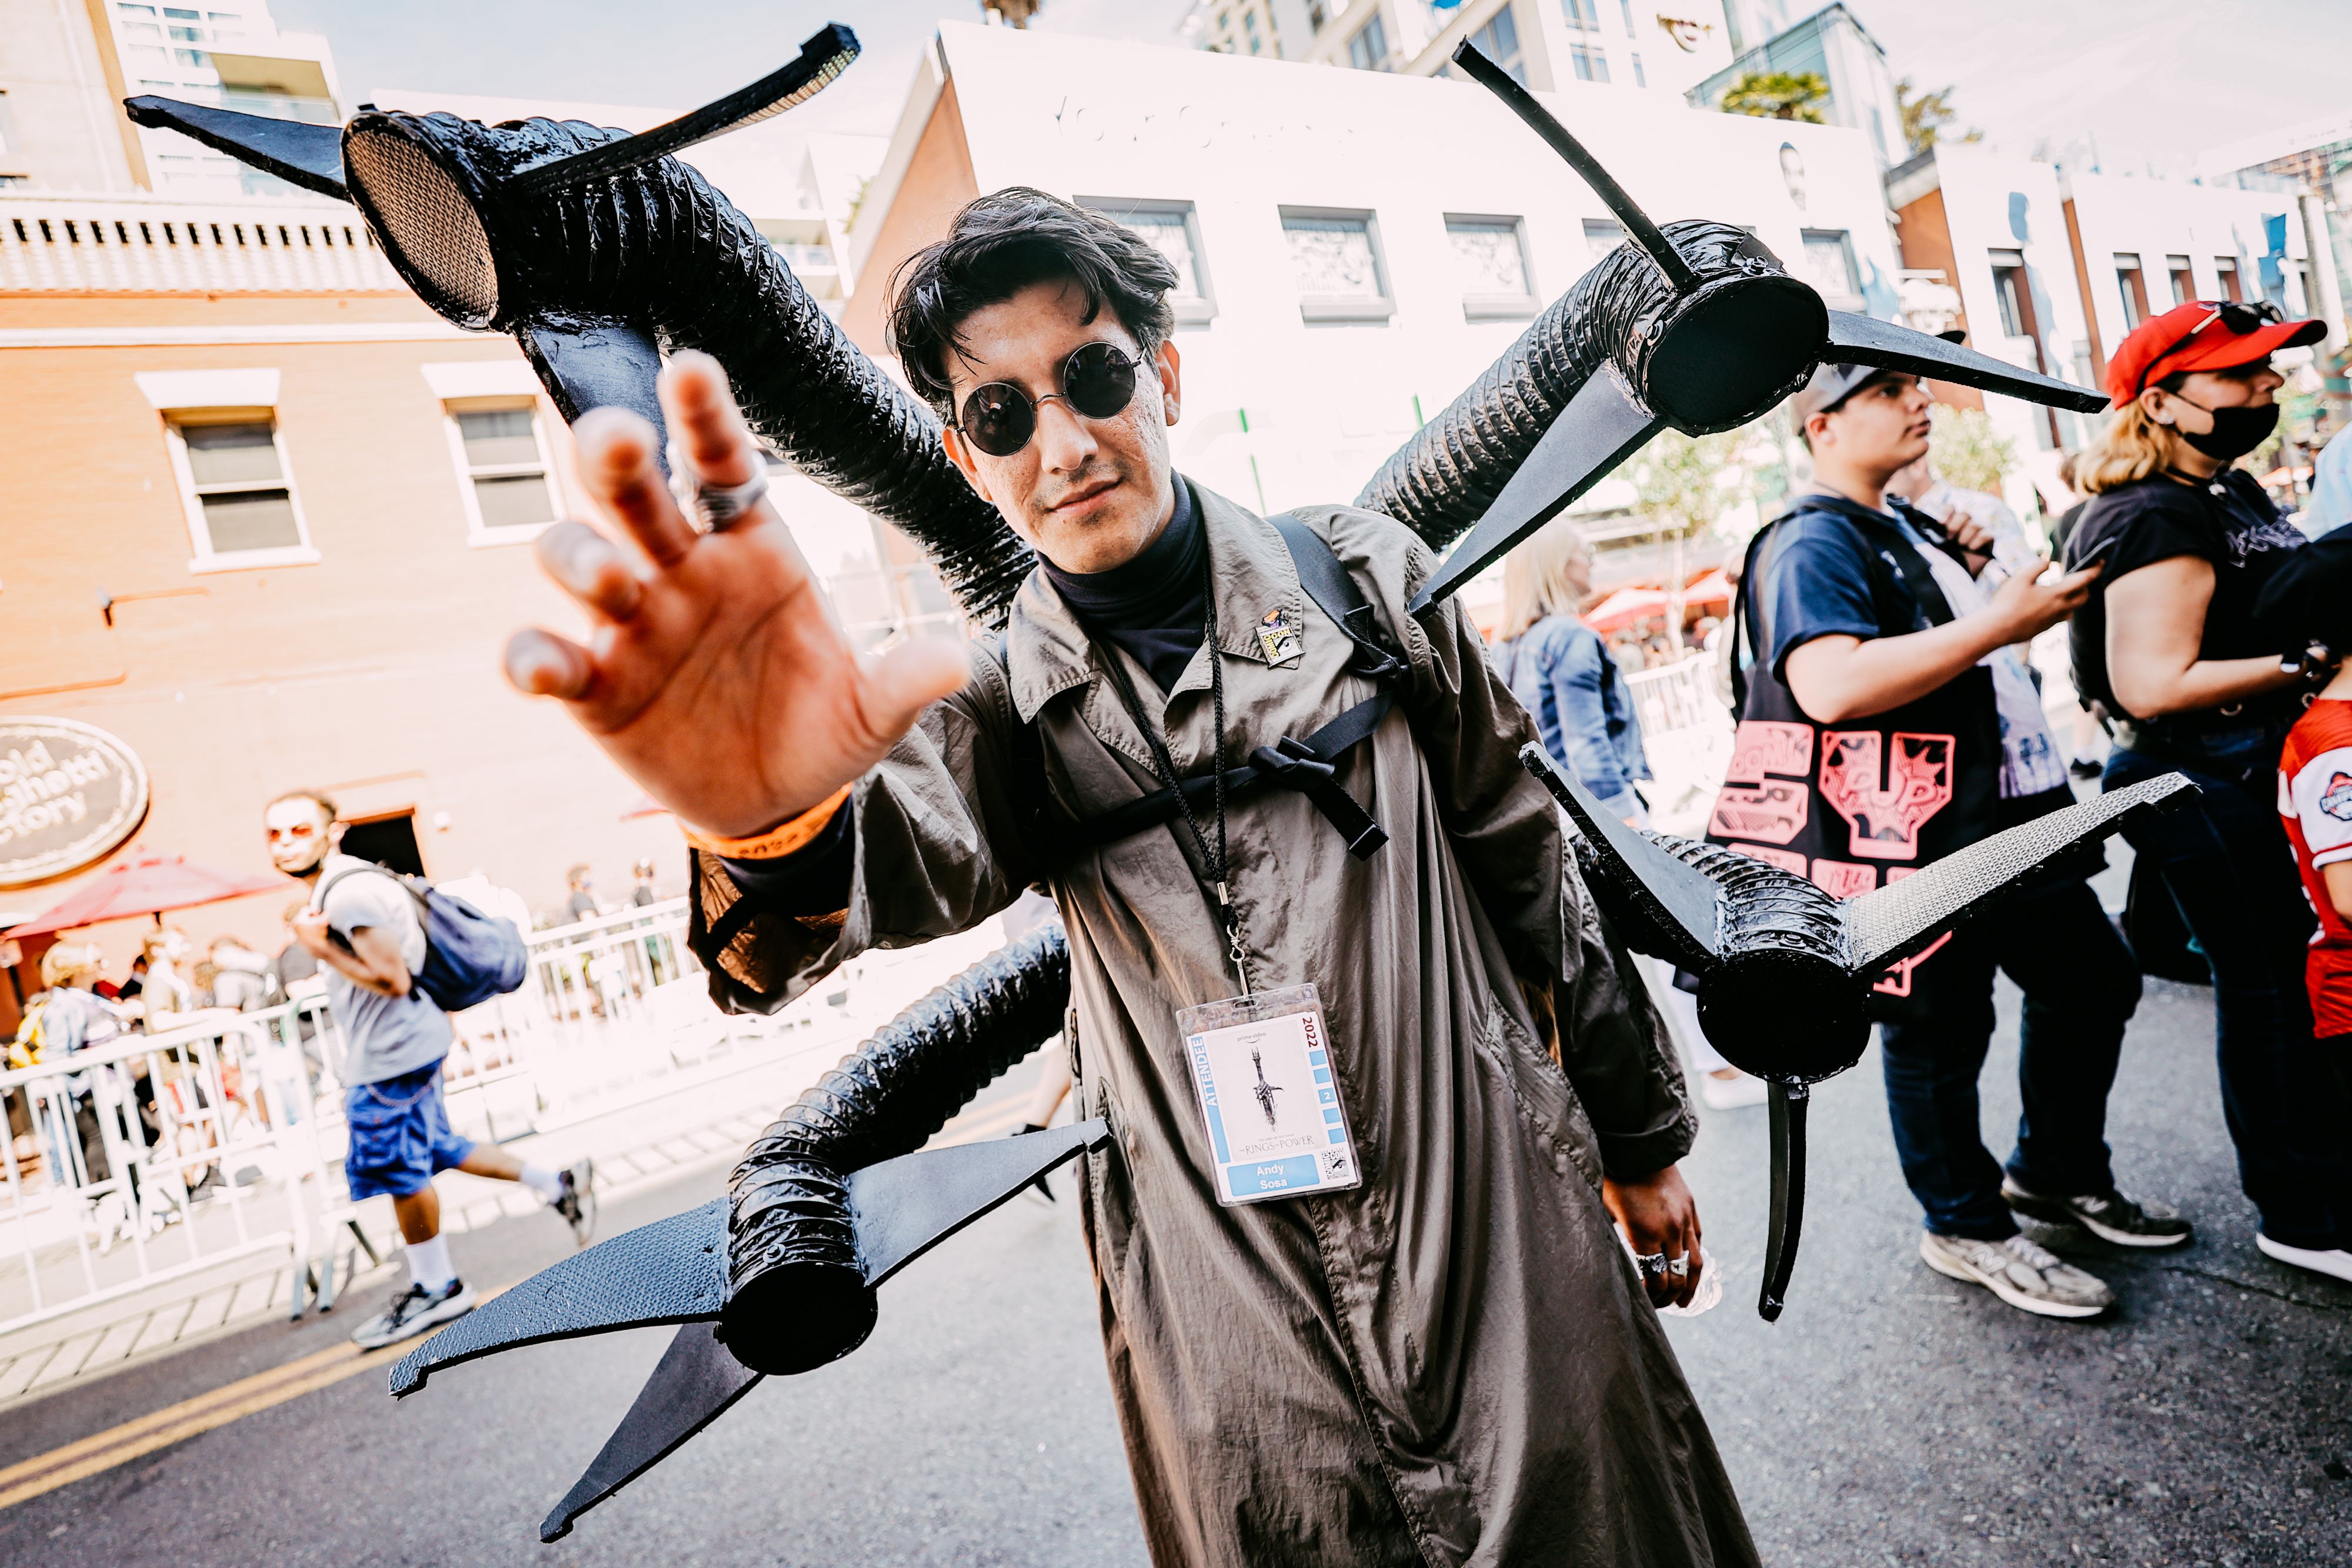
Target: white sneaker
(414, 1312)
(1728, 1088)
(2336, 1263)
(2027, 1276)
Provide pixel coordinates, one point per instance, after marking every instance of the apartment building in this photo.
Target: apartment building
(269, 519)
(2053, 267)
(1542, 43)
(1829, 44)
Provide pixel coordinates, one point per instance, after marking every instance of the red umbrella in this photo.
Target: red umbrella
(1709, 588)
(146, 885)
(1624, 607)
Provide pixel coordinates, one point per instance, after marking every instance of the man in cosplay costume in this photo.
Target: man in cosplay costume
(1440, 1353)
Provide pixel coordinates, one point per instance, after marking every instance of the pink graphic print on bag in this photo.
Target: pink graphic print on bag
(1885, 807)
(1762, 746)
(1774, 812)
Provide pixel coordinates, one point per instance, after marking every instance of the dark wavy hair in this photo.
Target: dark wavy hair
(1000, 245)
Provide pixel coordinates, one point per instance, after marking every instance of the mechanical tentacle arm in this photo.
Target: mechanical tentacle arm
(1784, 967)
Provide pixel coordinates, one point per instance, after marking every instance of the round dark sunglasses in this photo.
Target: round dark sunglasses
(1098, 380)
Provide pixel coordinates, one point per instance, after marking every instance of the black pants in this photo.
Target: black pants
(2227, 862)
(2081, 985)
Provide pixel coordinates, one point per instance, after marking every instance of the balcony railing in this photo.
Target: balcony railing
(69, 244)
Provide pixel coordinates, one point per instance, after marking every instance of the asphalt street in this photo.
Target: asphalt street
(1891, 1415)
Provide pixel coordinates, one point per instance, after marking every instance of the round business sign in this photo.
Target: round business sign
(69, 792)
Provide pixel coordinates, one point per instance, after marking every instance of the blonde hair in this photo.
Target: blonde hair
(1548, 575)
(67, 962)
(2129, 449)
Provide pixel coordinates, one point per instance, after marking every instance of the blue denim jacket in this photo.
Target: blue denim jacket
(1564, 676)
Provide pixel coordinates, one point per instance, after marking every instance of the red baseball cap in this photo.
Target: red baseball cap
(2202, 335)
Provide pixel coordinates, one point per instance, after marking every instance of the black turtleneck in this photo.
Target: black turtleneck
(1153, 605)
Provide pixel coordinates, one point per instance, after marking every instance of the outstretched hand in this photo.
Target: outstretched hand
(715, 672)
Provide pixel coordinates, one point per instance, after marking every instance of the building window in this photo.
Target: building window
(1491, 254)
(1590, 62)
(1173, 229)
(8, 124)
(1498, 40)
(1249, 26)
(1581, 16)
(1829, 265)
(2012, 293)
(2132, 286)
(1335, 260)
(1368, 50)
(2227, 266)
(501, 453)
(2184, 281)
(1641, 78)
(233, 480)
(1602, 235)
(1627, 7)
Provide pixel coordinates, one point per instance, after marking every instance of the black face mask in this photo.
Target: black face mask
(2236, 430)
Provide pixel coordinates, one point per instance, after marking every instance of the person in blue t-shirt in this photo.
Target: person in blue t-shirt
(1887, 721)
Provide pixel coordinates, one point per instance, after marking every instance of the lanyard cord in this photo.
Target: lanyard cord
(1164, 764)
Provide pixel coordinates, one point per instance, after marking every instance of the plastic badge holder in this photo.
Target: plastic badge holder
(1269, 1096)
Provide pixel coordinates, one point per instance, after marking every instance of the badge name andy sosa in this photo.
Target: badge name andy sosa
(1269, 1097)
(69, 792)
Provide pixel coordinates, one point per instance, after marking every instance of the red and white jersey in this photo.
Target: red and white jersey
(2316, 798)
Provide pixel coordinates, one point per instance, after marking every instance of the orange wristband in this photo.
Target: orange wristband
(776, 842)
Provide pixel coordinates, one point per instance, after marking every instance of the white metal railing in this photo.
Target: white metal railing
(154, 1157)
(170, 244)
(1686, 733)
(1680, 696)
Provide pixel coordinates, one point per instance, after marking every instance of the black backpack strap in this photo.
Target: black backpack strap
(1306, 766)
(1335, 594)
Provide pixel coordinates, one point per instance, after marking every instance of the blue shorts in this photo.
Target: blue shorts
(400, 1135)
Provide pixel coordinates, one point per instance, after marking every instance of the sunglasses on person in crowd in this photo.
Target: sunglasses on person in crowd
(1098, 380)
(2240, 317)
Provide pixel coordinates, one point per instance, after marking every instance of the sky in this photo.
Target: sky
(2154, 83)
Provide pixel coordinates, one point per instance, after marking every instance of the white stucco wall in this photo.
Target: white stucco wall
(2156, 218)
(1996, 203)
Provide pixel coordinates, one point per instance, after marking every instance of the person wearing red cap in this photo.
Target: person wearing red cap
(2170, 647)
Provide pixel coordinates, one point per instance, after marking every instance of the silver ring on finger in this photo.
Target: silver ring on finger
(1653, 1265)
(1680, 1267)
(716, 506)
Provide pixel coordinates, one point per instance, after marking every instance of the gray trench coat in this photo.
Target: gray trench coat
(1452, 1363)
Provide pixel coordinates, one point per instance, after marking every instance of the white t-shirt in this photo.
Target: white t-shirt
(2030, 762)
(388, 1035)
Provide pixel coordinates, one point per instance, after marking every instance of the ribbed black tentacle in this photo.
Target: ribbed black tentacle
(791, 1226)
(658, 245)
(1444, 479)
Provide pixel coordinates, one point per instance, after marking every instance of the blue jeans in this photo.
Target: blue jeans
(2227, 864)
(2080, 985)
